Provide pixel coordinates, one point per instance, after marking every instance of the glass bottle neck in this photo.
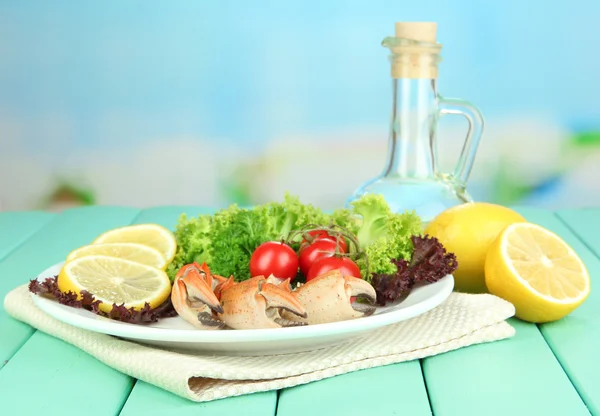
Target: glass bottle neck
(412, 131)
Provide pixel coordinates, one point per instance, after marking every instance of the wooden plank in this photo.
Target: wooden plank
(57, 366)
(15, 228)
(14, 334)
(585, 224)
(575, 339)
(146, 398)
(387, 390)
(49, 377)
(520, 375)
(67, 231)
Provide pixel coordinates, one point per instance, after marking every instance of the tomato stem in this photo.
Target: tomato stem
(335, 231)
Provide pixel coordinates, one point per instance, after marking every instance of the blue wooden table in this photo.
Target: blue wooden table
(550, 369)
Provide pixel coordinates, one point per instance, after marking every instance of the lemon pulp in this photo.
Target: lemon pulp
(114, 280)
(537, 271)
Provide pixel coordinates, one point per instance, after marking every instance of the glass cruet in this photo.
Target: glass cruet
(410, 179)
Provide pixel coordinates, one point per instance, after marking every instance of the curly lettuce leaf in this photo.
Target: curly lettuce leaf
(401, 230)
(193, 242)
(225, 215)
(305, 213)
(279, 220)
(234, 241)
(291, 214)
(374, 213)
(346, 219)
(396, 244)
(227, 239)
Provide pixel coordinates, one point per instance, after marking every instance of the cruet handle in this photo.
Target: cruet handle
(475, 119)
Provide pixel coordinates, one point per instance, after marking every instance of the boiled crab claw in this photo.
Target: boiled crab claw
(257, 303)
(327, 298)
(193, 296)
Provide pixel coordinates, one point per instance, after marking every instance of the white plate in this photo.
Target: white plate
(177, 334)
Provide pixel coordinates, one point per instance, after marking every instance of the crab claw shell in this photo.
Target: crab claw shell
(327, 298)
(278, 281)
(255, 303)
(193, 298)
(223, 285)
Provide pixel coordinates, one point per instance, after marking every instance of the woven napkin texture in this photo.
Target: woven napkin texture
(462, 320)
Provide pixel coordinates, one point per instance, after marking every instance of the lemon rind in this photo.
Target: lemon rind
(163, 230)
(70, 257)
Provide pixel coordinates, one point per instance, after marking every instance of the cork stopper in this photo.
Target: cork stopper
(419, 31)
(415, 50)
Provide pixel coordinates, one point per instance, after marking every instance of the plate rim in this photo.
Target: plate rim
(105, 326)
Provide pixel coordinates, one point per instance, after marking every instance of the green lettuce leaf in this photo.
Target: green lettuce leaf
(227, 239)
(234, 241)
(382, 234)
(374, 213)
(290, 215)
(396, 244)
(193, 242)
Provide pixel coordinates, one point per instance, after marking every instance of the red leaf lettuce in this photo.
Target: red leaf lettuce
(429, 263)
(49, 288)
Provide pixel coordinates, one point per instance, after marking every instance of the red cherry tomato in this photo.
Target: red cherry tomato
(313, 252)
(325, 264)
(321, 235)
(276, 258)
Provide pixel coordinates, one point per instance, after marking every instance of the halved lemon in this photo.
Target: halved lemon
(538, 272)
(128, 251)
(152, 235)
(114, 280)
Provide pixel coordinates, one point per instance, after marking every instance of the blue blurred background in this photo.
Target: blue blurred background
(147, 103)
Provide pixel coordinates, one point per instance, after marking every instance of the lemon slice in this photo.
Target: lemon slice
(128, 251)
(151, 235)
(114, 280)
(537, 272)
